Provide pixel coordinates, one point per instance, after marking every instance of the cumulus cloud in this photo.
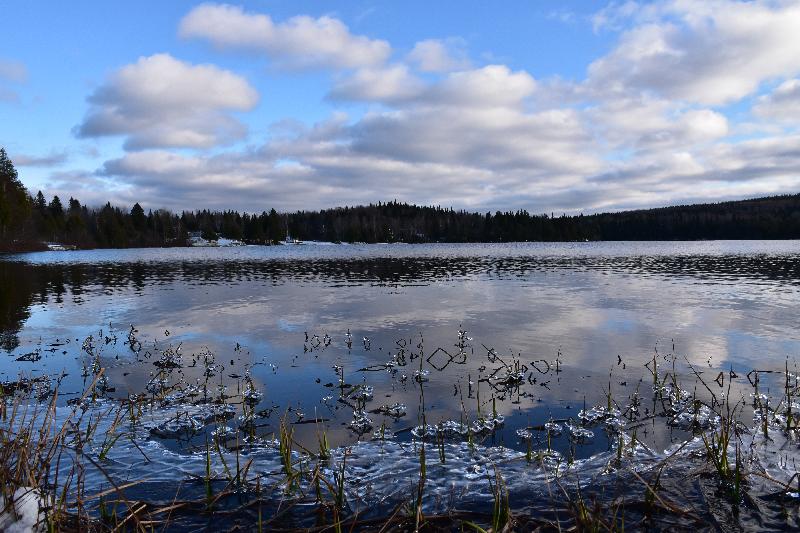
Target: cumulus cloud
(544, 147)
(783, 104)
(647, 125)
(644, 123)
(340, 164)
(386, 84)
(710, 53)
(300, 42)
(160, 101)
(479, 157)
(726, 171)
(774, 158)
(177, 181)
(489, 86)
(434, 55)
(255, 182)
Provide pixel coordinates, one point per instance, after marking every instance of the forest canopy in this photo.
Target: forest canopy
(28, 221)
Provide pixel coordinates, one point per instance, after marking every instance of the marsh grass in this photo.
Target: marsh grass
(34, 451)
(54, 459)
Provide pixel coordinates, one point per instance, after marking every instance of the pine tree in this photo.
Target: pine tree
(138, 217)
(55, 208)
(40, 204)
(275, 229)
(14, 199)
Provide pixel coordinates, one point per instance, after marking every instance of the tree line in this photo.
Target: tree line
(776, 217)
(27, 221)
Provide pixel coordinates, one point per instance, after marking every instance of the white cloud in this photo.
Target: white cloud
(434, 55)
(300, 42)
(647, 124)
(530, 149)
(386, 84)
(710, 53)
(160, 101)
(645, 127)
(783, 104)
(757, 167)
(481, 157)
(539, 162)
(776, 157)
(490, 86)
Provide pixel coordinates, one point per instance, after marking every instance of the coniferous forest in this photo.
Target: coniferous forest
(28, 221)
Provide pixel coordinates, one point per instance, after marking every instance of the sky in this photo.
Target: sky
(548, 106)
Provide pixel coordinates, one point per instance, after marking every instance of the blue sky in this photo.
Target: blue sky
(545, 106)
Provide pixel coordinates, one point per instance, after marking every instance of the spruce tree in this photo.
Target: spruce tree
(138, 217)
(14, 200)
(40, 204)
(56, 208)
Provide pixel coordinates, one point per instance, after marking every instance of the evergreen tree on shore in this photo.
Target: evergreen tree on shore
(14, 201)
(26, 222)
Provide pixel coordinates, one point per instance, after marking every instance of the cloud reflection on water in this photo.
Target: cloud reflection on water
(730, 302)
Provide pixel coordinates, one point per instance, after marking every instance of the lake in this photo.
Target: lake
(364, 341)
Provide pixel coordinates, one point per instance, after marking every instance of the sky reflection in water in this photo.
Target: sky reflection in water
(722, 304)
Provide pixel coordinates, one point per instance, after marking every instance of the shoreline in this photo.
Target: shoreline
(43, 247)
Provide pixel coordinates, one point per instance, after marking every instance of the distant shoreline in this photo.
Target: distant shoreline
(35, 248)
(769, 218)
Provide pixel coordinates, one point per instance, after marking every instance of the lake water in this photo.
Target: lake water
(435, 324)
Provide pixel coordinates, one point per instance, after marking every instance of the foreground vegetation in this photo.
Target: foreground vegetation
(48, 451)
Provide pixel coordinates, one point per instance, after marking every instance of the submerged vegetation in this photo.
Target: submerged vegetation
(27, 221)
(97, 461)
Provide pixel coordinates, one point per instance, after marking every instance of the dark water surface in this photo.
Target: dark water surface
(722, 305)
